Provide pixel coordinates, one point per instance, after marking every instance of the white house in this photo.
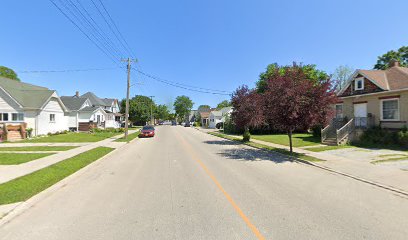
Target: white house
(36, 107)
(113, 118)
(218, 116)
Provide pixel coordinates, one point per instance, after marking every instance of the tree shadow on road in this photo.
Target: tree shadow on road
(221, 142)
(248, 154)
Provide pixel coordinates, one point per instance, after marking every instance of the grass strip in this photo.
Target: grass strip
(268, 148)
(129, 138)
(327, 148)
(37, 148)
(390, 160)
(19, 158)
(22, 188)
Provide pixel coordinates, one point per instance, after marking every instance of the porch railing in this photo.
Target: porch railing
(325, 132)
(345, 131)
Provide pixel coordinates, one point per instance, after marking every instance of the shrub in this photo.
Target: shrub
(29, 132)
(317, 131)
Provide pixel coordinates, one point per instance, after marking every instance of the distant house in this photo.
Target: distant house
(370, 98)
(192, 117)
(31, 106)
(205, 118)
(218, 116)
(88, 111)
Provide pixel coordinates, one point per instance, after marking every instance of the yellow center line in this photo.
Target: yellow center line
(214, 179)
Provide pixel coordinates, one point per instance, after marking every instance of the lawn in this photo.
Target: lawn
(37, 148)
(18, 158)
(72, 137)
(22, 188)
(298, 139)
(129, 138)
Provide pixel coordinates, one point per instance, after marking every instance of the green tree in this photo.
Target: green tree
(401, 55)
(202, 108)
(223, 104)
(162, 112)
(182, 106)
(8, 73)
(272, 70)
(139, 109)
(341, 75)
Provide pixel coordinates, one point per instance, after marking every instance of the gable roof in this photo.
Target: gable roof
(90, 109)
(393, 78)
(204, 114)
(95, 101)
(73, 103)
(108, 101)
(216, 113)
(25, 94)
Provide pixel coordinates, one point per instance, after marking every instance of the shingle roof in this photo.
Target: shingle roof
(73, 103)
(108, 101)
(96, 101)
(27, 95)
(89, 109)
(204, 114)
(393, 78)
(216, 113)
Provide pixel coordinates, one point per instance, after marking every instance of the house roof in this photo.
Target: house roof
(108, 101)
(73, 103)
(90, 109)
(216, 113)
(393, 78)
(204, 114)
(95, 101)
(27, 95)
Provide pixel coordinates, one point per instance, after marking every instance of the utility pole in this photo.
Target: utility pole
(151, 111)
(129, 63)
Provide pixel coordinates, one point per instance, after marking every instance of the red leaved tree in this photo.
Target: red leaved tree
(293, 101)
(248, 112)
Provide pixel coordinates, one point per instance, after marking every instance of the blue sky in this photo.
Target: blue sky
(210, 44)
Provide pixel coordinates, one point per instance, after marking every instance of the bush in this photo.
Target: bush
(246, 136)
(317, 131)
(383, 137)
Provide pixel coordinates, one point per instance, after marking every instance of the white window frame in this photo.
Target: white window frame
(381, 109)
(52, 120)
(356, 83)
(342, 112)
(18, 120)
(2, 117)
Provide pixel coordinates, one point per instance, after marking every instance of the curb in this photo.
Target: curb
(23, 206)
(379, 185)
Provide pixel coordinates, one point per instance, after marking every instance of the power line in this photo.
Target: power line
(83, 32)
(186, 87)
(117, 29)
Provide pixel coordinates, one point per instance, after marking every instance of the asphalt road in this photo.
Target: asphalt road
(184, 184)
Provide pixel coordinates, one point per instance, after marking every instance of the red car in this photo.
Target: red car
(147, 131)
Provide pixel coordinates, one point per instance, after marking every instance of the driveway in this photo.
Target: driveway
(184, 184)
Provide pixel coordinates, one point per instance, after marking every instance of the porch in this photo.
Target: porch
(342, 130)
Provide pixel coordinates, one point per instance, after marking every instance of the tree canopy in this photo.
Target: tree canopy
(223, 104)
(274, 70)
(182, 106)
(401, 55)
(8, 73)
(341, 75)
(139, 109)
(204, 108)
(162, 112)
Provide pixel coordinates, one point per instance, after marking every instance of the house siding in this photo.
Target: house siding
(7, 104)
(45, 125)
(369, 87)
(374, 107)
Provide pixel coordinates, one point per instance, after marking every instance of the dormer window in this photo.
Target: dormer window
(359, 84)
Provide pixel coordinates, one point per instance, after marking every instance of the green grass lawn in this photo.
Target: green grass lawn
(129, 138)
(37, 148)
(18, 158)
(298, 139)
(22, 188)
(72, 137)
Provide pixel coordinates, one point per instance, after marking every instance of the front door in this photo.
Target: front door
(98, 119)
(360, 114)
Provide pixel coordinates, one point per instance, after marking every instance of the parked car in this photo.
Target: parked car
(187, 124)
(173, 123)
(147, 131)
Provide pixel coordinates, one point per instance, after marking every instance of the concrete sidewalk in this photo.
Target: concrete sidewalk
(378, 174)
(10, 172)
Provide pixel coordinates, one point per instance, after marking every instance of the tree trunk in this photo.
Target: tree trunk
(290, 140)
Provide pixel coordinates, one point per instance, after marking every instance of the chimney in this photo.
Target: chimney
(77, 93)
(394, 63)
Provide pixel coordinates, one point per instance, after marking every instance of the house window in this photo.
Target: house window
(52, 117)
(4, 117)
(359, 84)
(339, 110)
(390, 109)
(17, 117)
